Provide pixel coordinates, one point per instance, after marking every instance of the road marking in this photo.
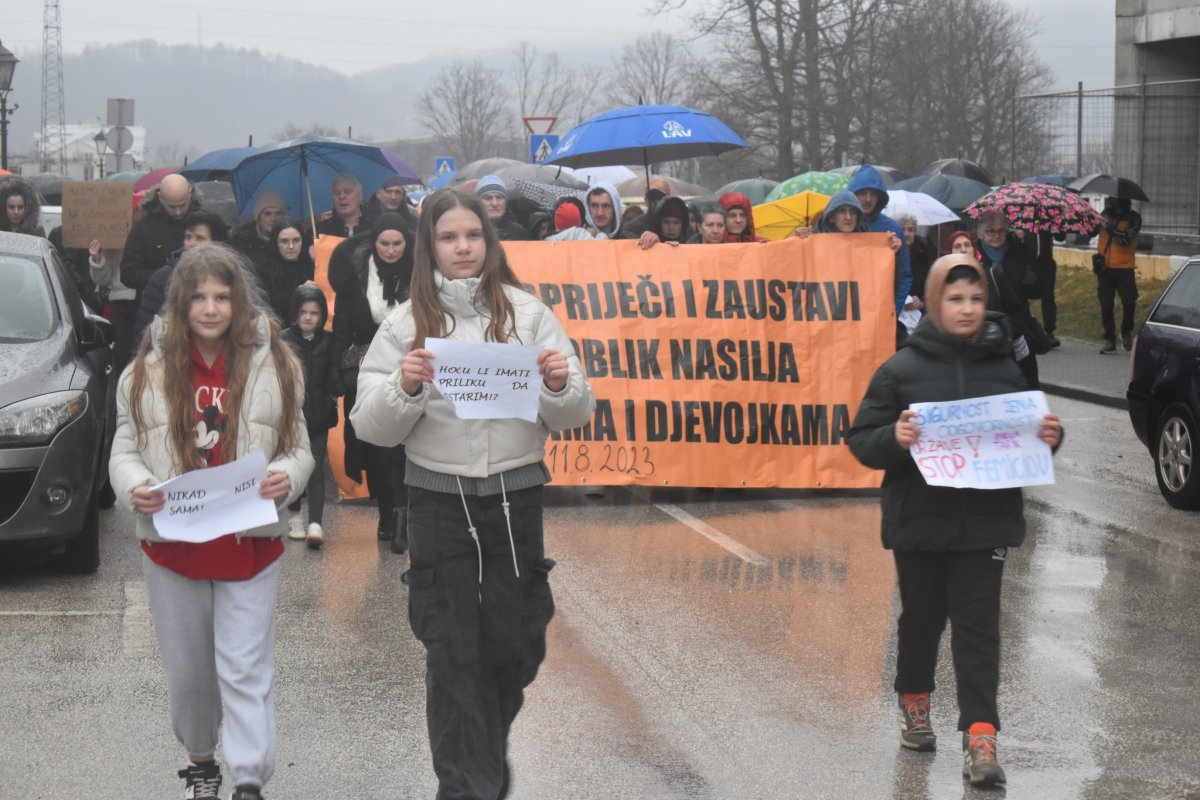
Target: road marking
(137, 638)
(712, 534)
(61, 613)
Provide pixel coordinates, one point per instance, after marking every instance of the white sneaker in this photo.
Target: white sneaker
(316, 535)
(296, 527)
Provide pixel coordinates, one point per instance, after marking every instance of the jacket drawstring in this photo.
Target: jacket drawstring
(475, 533)
(471, 528)
(508, 524)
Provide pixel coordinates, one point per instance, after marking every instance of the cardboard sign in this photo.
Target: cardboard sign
(96, 210)
(983, 443)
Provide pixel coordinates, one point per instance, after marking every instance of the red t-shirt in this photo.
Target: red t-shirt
(225, 558)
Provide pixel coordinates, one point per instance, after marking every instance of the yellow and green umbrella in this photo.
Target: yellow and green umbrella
(826, 183)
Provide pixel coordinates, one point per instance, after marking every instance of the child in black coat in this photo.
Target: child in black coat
(314, 347)
(949, 544)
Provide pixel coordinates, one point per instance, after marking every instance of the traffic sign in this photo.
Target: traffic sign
(539, 125)
(443, 165)
(541, 146)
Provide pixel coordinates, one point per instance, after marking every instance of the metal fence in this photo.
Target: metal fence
(1149, 132)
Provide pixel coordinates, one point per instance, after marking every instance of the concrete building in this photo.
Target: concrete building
(1156, 114)
(82, 157)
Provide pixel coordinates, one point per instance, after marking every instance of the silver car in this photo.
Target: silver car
(56, 408)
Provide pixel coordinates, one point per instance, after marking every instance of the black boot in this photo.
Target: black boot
(387, 523)
(400, 539)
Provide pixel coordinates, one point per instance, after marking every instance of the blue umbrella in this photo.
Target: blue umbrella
(642, 134)
(442, 181)
(302, 171)
(217, 161)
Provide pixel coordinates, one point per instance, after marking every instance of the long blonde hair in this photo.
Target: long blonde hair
(226, 266)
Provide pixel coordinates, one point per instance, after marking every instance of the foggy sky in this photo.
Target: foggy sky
(1075, 38)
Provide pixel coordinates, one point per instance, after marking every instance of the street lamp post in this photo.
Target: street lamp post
(101, 142)
(8, 65)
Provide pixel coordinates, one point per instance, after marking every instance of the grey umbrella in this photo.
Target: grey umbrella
(546, 194)
(559, 176)
(484, 166)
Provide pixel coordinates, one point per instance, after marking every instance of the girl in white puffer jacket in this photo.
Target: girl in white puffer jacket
(479, 596)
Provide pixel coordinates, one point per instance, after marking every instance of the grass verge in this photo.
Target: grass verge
(1079, 309)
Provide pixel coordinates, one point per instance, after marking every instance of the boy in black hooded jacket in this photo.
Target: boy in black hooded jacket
(314, 346)
(949, 544)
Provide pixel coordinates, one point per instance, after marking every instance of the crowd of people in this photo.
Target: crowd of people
(222, 346)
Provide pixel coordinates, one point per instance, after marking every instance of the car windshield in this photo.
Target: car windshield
(1181, 304)
(26, 302)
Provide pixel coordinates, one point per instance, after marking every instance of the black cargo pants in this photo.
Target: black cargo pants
(484, 638)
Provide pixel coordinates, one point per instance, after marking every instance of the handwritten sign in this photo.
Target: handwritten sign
(487, 380)
(983, 443)
(96, 210)
(206, 504)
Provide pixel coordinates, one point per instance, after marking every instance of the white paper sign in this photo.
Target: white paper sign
(206, 504)
(983, 443)
(487, 380)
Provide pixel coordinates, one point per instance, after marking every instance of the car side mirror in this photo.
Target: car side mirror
(96, 333)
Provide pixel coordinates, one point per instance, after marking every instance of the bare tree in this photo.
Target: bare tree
(768, 63)
(889, 81)
(941, 99)
(655, 69)
(173, 153)
(544, 86)
(292, 131)
(588, 100)
(468, 107)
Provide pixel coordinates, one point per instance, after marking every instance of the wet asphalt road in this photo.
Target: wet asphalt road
(707, 645)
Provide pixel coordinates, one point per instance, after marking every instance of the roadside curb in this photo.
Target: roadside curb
(1087, 395)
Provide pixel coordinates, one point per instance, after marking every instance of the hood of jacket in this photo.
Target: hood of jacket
(618, 207)
(535, 219)
(930, 336)
(840, 200)
(867, 177)
(676, 204)
(458, 297)
(738, 200)
(303, 294)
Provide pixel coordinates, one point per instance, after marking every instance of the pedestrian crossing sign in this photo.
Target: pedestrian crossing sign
(443, 165)
(541, 145)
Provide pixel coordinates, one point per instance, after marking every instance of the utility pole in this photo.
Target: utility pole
(54, 113)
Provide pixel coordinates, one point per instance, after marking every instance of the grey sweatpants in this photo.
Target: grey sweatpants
(217, 640)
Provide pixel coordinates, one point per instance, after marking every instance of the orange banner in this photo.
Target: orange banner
(729, 366)
(322, 250)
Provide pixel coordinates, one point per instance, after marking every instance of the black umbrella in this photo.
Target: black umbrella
(49, 186)
(1110, 186)
(889, 175)
(217, 198)
(952, 191)
(961, 167)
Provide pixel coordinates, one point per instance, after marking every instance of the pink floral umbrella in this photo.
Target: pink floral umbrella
(1039, 208)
